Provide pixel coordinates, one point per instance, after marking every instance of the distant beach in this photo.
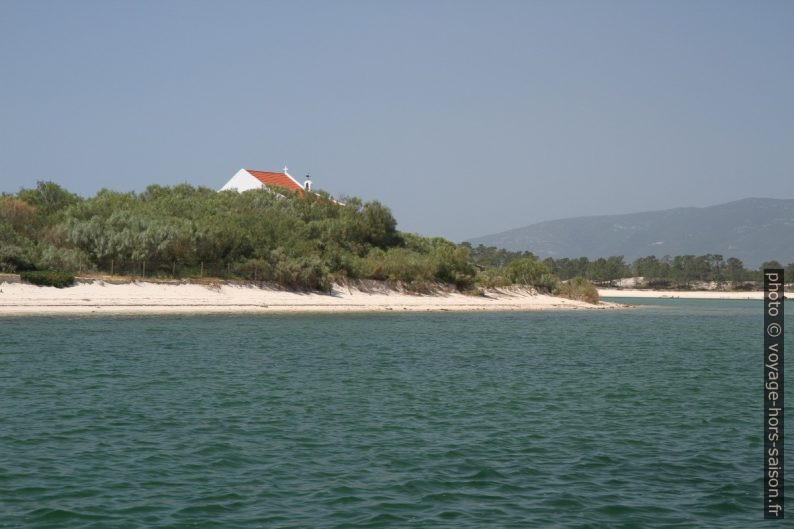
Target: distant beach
(682, 294)
(141, 297)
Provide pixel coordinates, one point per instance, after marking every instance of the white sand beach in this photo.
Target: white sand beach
(682, 294)
(97, 296)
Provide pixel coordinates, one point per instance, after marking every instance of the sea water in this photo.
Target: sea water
(646, 417)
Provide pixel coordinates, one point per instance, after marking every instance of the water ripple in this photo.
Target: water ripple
(464, 421)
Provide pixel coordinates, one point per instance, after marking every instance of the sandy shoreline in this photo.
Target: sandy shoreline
(99, 297)
(681, 294)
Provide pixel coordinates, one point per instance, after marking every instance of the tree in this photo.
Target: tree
(375, 225)
(734, 270)
(715, 264)
(648, 267)
(788, 273)
(528, 271)
(598, 270)
(491, 256)
(48, 198)
(769, 264)
(18, 214)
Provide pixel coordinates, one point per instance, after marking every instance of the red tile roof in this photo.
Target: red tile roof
(276, 179)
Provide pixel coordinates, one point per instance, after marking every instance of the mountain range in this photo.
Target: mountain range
(752, 229)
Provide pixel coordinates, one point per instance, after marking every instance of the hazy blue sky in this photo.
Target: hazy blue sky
(465, 118)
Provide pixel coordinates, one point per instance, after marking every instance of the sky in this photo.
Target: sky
(465, 118)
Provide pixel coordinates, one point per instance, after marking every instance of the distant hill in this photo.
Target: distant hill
(753, 229)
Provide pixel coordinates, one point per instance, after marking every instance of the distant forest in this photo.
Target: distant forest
(298, 241)
(680, 271)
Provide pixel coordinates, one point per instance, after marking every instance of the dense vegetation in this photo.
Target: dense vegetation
(297, 241)
(681, 271)
(184, 231)
(47, 278)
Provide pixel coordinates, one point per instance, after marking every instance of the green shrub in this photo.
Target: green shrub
(443, 263)
(305, 273)
(254, 269)
(14, 258)
(404, 265)
(66, 259)
(46, 278)
(528, 271)
(579, 289)
(492, 278)
(452, 265)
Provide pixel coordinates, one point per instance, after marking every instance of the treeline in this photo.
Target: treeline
(681, 271)
(186, 231)
(305, 242)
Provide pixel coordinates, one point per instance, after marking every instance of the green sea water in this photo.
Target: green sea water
(649, 417)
